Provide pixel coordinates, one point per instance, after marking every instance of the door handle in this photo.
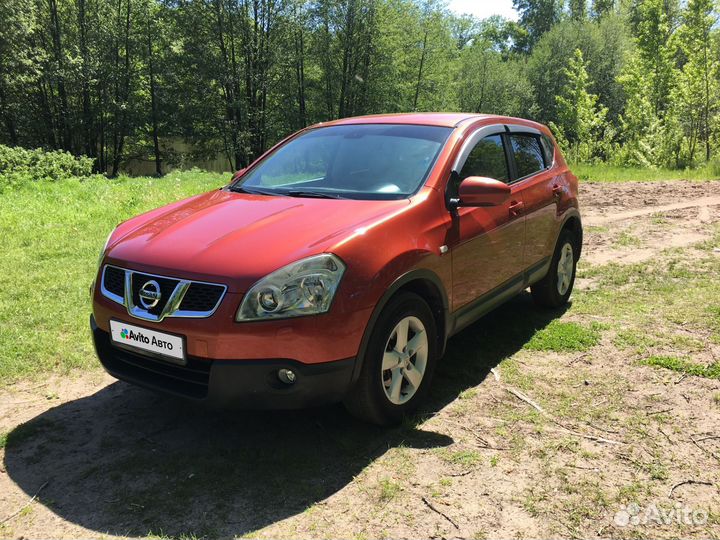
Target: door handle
(515, 208)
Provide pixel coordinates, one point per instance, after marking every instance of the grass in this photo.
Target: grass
(466, 458)
(609, 173)
(52, 234)
(565, 337)
(388, 490)
(682, 365)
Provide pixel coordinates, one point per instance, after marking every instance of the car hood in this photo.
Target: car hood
(238, 238)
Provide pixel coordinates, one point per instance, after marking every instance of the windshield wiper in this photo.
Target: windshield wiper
(312, 194)
(240, 189)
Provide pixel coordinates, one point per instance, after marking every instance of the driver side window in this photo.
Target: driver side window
(487, 159)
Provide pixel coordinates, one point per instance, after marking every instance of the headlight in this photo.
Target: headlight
(305, 287)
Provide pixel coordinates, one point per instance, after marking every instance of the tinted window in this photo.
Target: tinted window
(549, 149)
(366, 161)
(487, 159)
(528, 154)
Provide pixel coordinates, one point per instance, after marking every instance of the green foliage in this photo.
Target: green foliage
(582, 121)
(565, 336)
(696, 96)
(603, 172)
(20, 166)
(135, 80)
(682, 365)
(491, 84)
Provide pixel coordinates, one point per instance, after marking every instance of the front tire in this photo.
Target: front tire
(398, 364)
(555, 288)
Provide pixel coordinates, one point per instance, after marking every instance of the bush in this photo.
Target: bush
(19, 166)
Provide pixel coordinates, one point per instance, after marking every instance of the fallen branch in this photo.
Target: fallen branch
(434, 509)
(542, 411)
(709, 437)
(579, 357)
(24, 507)
(663, 411)
(602, 429)
(526, 399)
(686, 482)
(588, 437)
(464, 473)
(710, 453)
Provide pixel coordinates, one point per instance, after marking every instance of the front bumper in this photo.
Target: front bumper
(251, 384)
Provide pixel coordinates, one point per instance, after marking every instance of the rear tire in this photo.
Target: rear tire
(555, 288)
(398, 364)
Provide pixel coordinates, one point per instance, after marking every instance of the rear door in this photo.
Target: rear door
(535, 183)
(486, 243)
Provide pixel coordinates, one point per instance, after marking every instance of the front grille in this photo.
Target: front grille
(114, 280)
(167, 286)
(201, 297)
(197, 299)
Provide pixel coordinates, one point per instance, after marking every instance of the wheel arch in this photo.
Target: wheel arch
(573, 224)
(426, 284)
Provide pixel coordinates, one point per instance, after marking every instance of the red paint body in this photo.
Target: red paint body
(236, 239)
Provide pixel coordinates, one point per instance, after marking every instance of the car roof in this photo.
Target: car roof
(444, 119)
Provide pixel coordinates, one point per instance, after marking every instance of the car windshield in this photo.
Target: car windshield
(366, 161)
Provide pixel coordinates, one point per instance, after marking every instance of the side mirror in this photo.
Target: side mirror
(238, 174)
(477, 191)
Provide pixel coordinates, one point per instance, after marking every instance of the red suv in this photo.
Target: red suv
(339, 263)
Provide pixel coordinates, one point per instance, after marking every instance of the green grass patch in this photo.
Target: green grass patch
(565, 336)
(466, 458)
(683, 365)
(3, 440)
(388, 490)
(608, 173)
(52, 234)
(626, 239)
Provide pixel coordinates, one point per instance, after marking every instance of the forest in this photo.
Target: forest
(628, 82)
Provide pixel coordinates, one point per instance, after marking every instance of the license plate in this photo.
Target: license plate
(167, 345)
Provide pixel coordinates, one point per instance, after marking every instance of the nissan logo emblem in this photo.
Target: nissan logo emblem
(150, 294)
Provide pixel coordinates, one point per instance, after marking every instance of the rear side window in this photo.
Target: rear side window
(528, 154)
(487, 159)
(549, 149)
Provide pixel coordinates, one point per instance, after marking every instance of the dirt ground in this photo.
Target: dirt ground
(519, 440)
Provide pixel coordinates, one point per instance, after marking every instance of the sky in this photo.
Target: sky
(484, 8)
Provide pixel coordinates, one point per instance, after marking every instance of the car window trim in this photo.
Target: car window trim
(469, 144)
(524, 130)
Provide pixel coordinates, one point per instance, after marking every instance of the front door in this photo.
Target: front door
(487, 243)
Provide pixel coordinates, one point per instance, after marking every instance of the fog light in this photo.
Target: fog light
(287, 376)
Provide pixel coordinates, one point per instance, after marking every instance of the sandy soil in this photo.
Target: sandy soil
(103, 458)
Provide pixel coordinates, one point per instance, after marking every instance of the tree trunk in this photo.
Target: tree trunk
(87, 124)
(153, 101)
(420, 71)
(8, 118)
(300, 77)
(65, 136)
(122, 121)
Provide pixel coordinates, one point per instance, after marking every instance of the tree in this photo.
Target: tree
(654, 23)
(537, 17)
(487, 84)
(582, 121)
(600, 8)
(578, 10)
(697, 94)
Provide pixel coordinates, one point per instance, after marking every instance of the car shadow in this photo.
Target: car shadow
(126, 461)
